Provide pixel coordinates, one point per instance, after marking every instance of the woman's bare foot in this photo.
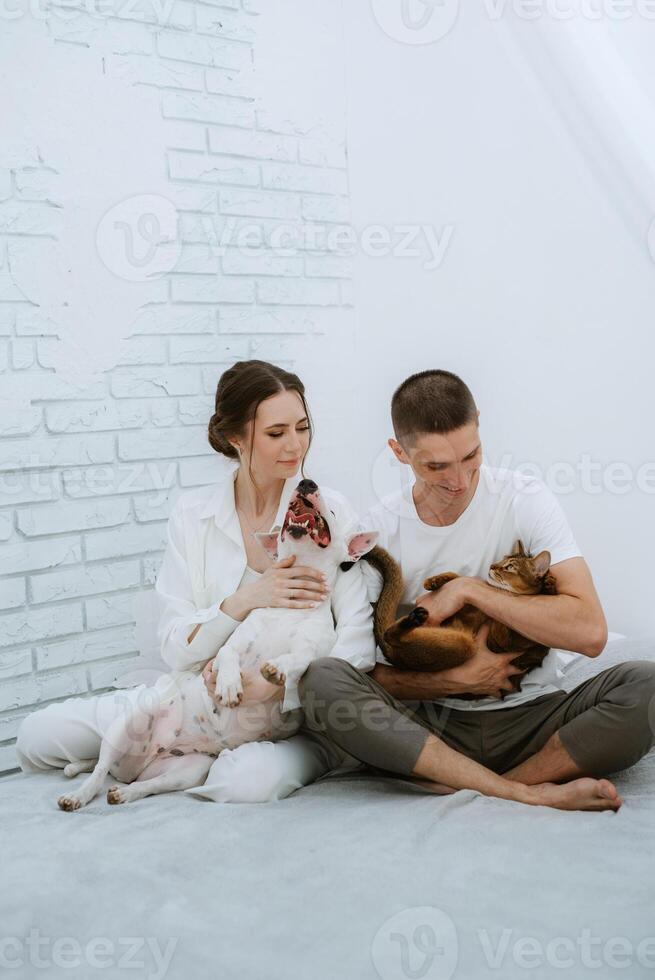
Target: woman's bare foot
(579, 794)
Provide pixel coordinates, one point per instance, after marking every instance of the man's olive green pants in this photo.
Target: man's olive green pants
(605, 724)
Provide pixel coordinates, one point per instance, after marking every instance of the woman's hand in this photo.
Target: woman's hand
(209, 677)
(283, 584)
(256, 688)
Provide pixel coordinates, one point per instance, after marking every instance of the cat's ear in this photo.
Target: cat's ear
(541, 562)
(269, 542)
(518, 549)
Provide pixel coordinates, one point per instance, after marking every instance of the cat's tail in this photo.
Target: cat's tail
(386, 607)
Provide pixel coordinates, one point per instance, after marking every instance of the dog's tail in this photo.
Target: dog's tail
(386, 607)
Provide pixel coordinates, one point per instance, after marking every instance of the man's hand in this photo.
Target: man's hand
(487, 674)
(256, 688)
(447, 600)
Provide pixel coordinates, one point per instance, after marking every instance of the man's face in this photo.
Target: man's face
(447, 464)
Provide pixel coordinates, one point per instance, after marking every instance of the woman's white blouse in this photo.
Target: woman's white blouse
(205, 562)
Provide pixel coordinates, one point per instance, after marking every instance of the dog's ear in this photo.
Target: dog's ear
(361, 543)
(269, 542)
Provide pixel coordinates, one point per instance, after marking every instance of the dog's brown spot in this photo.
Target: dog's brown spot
(177, 752)
(161, 749)
(201, 717)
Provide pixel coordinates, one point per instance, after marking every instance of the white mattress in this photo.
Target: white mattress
(334, 881)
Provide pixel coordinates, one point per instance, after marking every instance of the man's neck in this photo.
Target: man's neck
(432, 510)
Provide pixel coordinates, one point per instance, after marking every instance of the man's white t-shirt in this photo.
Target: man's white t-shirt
(506, 506)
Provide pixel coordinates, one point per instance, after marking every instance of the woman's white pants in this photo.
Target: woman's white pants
(257, 772)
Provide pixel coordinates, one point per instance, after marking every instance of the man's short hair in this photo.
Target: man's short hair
(431, 401)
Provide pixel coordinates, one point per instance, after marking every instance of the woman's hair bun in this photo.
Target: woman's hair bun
(218, 439)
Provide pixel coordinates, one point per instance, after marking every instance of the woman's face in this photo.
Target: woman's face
(278, 436)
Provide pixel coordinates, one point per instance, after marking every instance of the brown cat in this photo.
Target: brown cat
(410, 644)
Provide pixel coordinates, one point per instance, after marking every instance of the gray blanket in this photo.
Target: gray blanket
(356, 876)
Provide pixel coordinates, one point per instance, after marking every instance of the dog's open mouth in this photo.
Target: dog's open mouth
(303, 518)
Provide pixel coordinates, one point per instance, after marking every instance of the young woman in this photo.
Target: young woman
(214, 573)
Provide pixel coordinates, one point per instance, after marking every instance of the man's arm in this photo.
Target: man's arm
(571, 620)
(486, 674)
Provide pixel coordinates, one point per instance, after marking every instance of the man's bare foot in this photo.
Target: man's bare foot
(579, 794)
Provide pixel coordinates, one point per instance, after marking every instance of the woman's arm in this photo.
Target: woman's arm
(184, 646)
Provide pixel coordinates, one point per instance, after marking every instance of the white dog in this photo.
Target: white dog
(170, 741)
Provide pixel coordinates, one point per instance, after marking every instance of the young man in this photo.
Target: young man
(461, 515)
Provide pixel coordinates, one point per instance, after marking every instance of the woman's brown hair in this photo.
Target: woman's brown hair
(240, 391)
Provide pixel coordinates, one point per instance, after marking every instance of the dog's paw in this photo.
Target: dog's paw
(273, 673)
(417, 617)
(71, 770)
(115, 794)
(229, 693)
(68, 803)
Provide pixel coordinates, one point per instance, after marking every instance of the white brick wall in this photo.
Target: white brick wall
(88, 472)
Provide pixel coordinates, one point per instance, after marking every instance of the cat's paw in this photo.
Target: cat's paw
(273, 673)
(417, 617)
(434, 583)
